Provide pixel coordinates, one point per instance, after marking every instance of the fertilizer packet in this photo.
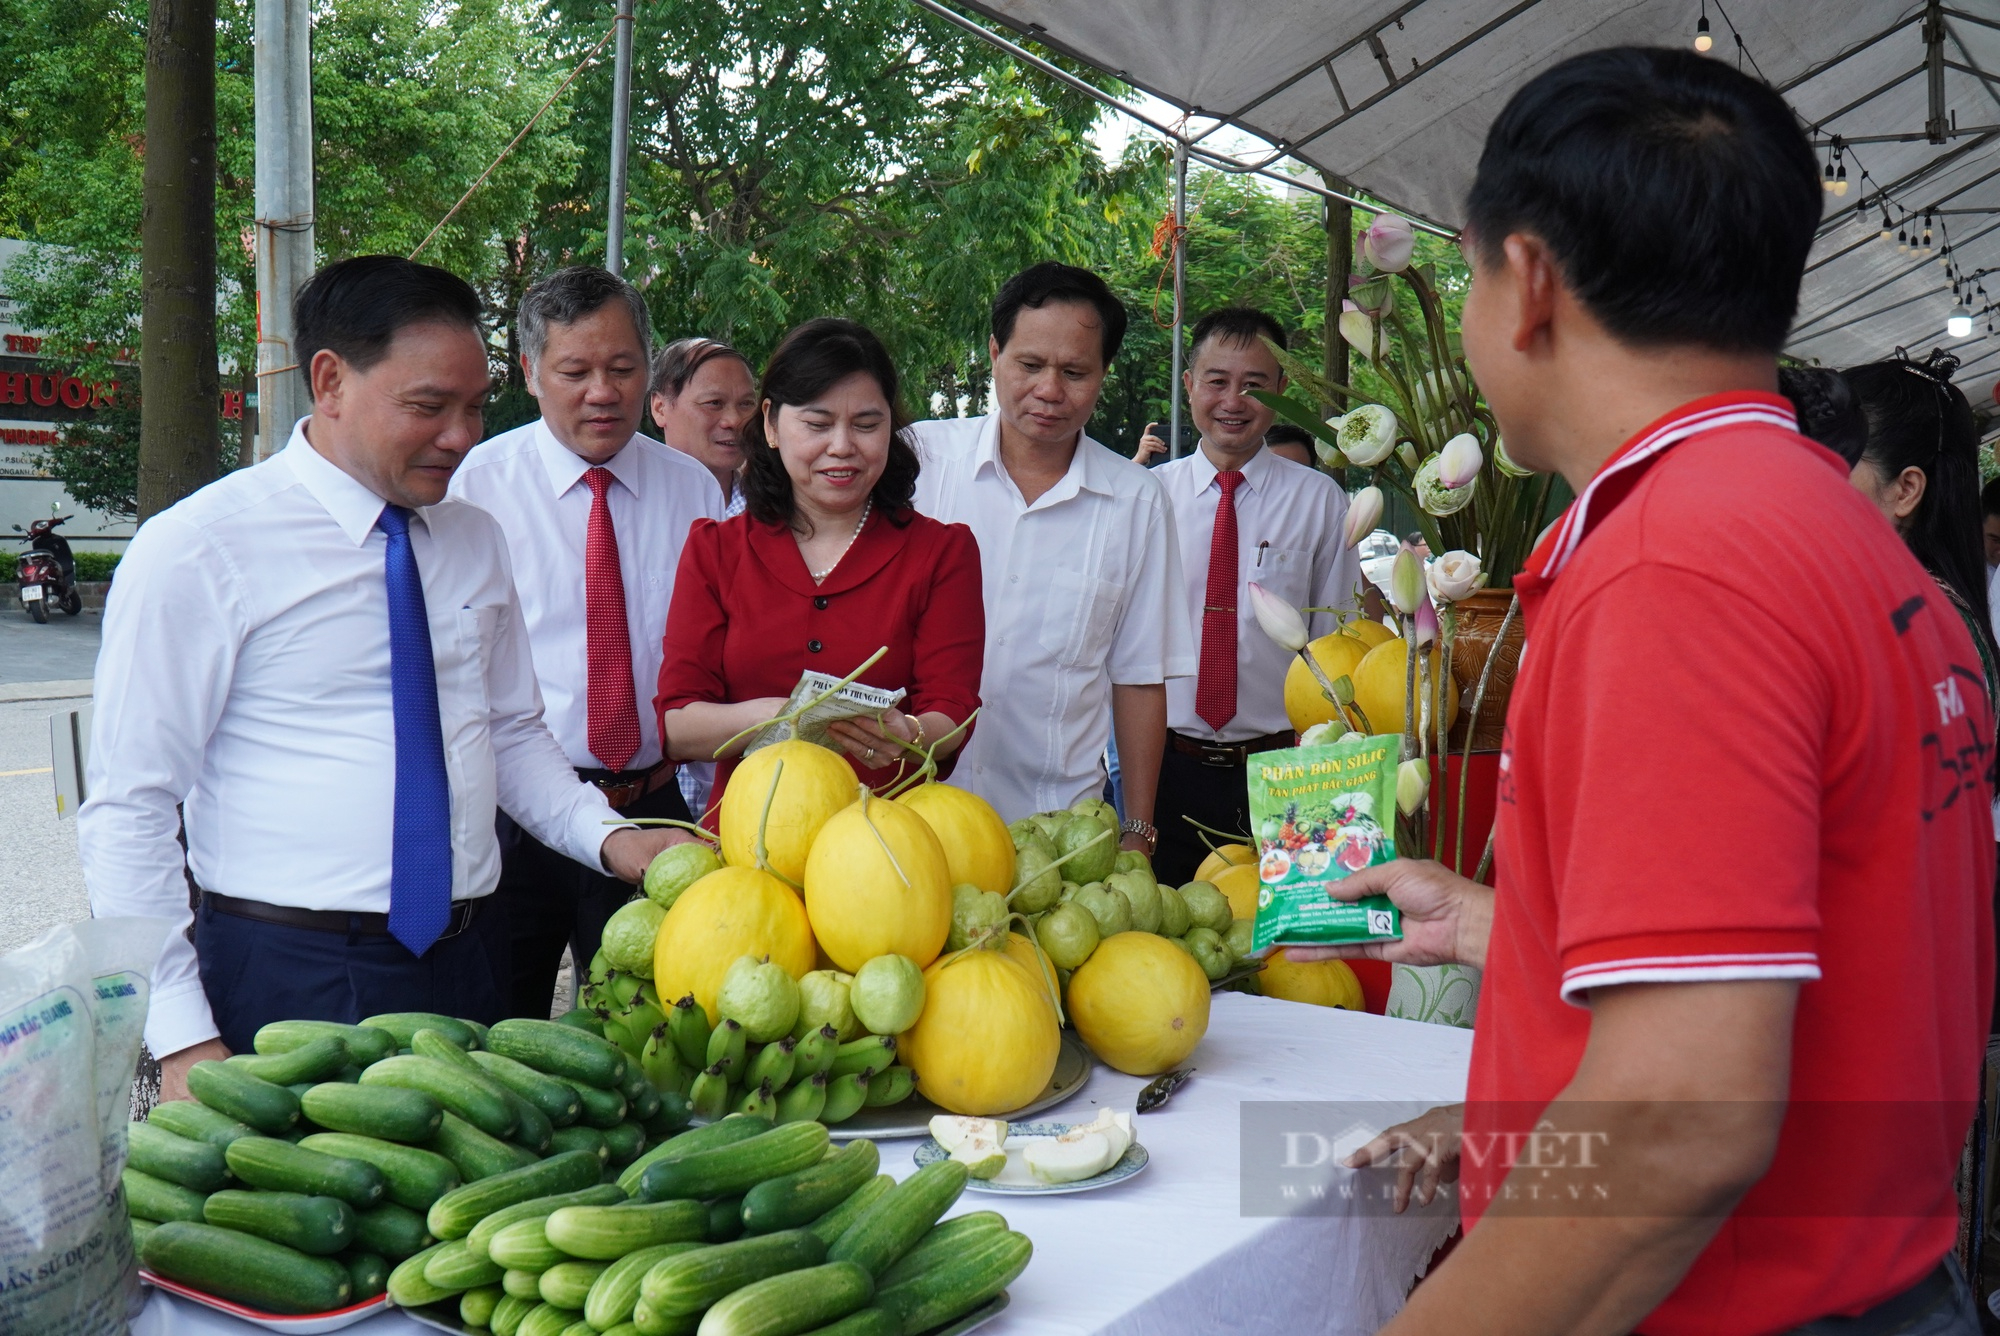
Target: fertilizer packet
(1320, 815)
(72, 1010)
(852, 701)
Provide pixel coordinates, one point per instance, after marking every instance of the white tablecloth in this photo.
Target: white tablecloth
(1170, 1251)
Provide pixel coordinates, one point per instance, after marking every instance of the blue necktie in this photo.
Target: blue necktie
(420, 864)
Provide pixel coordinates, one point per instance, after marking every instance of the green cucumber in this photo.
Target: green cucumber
(796, 1301)
(727, 1170)
(452, 1266)
(415, 1177)
(198, 1122)
(524, 1246)
(507, 1316)
(476, 1154)
(468, 1094)
(280, 1166)
(140, 1229)
(394, 1231)
(476, 1307)
(152, 1198)
(407, 1286)
(321, 1226)
(580, 1138)
(892, 1226)
(649, 1321)
(561, 1050)
(404, 1024)
(547, 1320)
(674, 1115)
(271, 1109)
(583, 1019)
(195, 1165)
(567, 1284)
(725, 1219)
(298, 1088)
(387, 1112)
(641, 1104)
(317, 1060)
(804, 1195)
(453, 1215)
(841, 1218)
(943, 1242)
(539, 1208)
(867, 1322)
(985, 1265)
(623, 1144)
(690, 1282)
(365, 1044)
(606, 1233)
(601, 1108)
(722, 1132)
(616, 1292)
(531, 1126)
(255, 1272)
(556, 1099)
(369, 1272)
(524, 1285)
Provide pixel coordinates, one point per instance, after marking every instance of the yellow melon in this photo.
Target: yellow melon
(736, 911)
(1305, 701)
(1323, 983)
(987, 1040)
(1239, 883)
(1140, 1002)
(815, 784)
(1227, 855)
(876, 883)
(1030, 957)
(1368, 631)
(977, 848)
(1380, 687)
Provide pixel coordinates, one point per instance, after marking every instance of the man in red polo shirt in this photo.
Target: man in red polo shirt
(1739, 958)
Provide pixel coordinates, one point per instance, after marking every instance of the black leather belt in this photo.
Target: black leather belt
(622, 788)
(1228, 755)
(330, 920)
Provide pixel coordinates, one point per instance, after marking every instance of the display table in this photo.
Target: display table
(1171, 1251)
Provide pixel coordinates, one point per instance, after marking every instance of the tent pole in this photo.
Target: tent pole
(621, 134)
(1339, 266)
(1174, 447)
(282, 97)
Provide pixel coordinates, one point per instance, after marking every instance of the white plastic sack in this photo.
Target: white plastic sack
(72, 1009)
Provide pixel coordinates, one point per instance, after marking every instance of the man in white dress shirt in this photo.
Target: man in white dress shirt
(1243, 514)
(1085, 622)
(320, 660)
(595, 515)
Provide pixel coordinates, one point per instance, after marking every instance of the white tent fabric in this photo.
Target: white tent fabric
(1393, 97)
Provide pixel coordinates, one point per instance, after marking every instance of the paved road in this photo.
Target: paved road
(41, 882)
(64, 650)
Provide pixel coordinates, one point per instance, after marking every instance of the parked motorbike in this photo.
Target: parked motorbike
(46, 572)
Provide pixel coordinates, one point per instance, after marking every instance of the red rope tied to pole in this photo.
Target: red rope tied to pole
(1169, 236)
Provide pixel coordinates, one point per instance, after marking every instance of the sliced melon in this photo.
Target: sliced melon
(1070, 1158)
(982, 1156)
(949, 1129)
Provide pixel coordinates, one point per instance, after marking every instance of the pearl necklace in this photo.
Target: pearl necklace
(819, 577)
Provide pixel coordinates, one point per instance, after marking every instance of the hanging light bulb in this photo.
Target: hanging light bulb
(1902, 241)
(1959, 323)
(1887, 232)
(1702, 41)
(1840, 180)
(1826, 181)
(1927, 232)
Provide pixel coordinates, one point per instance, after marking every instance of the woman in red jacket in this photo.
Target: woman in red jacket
(827, 564)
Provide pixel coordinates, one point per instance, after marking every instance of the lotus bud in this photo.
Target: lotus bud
(1406, 581)
(1459, 461)
(1505, 462)
(1424, 625)
(1434, 496)
(1279, 619)
(1376, 296)
(1364, 512)
(1389, 242)
(1358, 328)
(1368, 434)
(1453, 576)
(1407, 452)
(1318, 735)
(1413, 785)
(1329, 455)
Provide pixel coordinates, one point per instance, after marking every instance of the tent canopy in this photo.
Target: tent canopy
(1393, 97)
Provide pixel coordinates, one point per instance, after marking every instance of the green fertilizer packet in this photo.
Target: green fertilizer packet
(1320, 815)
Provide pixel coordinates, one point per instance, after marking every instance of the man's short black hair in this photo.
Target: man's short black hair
(354, 307)
(1038, 285)
(1989, 499)
(1678, 196)
(1237, 324)
(1285, 433)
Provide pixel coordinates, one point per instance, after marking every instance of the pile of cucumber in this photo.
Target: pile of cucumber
(810, 1076)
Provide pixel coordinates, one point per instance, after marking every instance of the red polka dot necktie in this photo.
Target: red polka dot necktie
(613, 706)
(1215, 686)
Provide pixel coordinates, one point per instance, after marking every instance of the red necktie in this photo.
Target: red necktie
(613, 707)
(1215, 687)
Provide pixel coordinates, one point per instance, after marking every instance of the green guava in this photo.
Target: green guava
(976, 915)
(823, 1000)
(1069, 934)
(628, 937)
(759, 996)
(676, 868)
(888, 994)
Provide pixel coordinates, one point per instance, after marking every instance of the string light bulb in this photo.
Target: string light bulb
(1888, 233)
(1902, 241)
(1826, 180)
(1702, 41)
(1840, 180)
(1959, 323)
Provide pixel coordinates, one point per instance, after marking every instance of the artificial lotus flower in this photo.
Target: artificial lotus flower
(1459, 461)
(1364, 512)
(1453, 576)
(1367, 435)
(1413, 785)
(1406, 581)
(1424, 625)
(1388, 242)
(1505, 462)
(1279, 619)
(1358, 328)
(1407, 452)
(1434, 496)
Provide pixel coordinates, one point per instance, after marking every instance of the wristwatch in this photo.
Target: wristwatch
(1145, 830)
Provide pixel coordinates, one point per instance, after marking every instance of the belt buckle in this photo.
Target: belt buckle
(1220, 755)
(462, 911)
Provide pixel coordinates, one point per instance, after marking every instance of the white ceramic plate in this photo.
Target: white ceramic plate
(912, 1118)
(307, 1324)
(444, 1317)
(1015, 1180)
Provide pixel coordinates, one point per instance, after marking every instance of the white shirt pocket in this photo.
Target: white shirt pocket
(1285, 572)
(478, 629)
(1078, 616)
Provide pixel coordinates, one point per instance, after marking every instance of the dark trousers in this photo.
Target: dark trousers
(1941, 1304)
(550, 901)
(1217, 796)
(255, 973)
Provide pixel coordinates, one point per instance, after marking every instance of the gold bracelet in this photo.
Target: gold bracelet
(918, 720)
